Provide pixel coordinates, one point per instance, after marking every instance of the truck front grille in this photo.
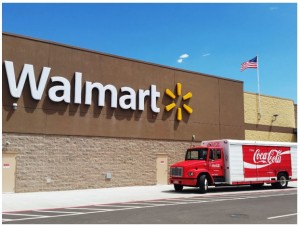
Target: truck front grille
(176, 172)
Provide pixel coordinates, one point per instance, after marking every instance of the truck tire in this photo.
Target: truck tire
(282, 181)
(203, 184)
(178, 187)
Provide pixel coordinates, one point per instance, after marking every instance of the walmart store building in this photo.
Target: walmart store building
(76, 119)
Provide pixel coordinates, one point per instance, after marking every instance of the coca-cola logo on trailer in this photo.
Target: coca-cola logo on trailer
(257, 157)
(273, 156)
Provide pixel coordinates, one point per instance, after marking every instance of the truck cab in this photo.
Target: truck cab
(203, 166)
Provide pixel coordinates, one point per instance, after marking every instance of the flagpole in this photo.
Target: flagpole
(259, 107)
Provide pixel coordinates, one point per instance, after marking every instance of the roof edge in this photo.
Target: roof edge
(270, 96)
(116, 56)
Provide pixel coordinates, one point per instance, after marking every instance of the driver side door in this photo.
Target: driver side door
(215, 162)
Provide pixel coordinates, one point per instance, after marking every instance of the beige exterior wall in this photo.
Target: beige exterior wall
(51, 163)
(270, 136)
(269, 106)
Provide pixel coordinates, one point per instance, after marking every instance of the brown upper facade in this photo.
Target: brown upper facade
(65, 90)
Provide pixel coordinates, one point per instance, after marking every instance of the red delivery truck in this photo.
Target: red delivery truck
(236, 162)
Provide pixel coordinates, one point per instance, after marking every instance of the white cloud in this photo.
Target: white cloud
(180, 60)
(184, 56)
(181, 57)
(273, 8)
(205, 55)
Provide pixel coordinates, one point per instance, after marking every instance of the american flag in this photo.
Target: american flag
(249, 64)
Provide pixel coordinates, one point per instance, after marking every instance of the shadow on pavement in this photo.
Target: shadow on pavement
(241, 188)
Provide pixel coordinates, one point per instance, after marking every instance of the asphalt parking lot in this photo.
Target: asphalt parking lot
(219, 206)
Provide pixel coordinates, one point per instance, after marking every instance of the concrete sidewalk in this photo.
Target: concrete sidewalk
(57, 199)
(72, 198)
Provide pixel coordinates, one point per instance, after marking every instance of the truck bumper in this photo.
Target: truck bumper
(184, 181)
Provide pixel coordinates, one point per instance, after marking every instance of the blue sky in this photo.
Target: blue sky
(207, 38)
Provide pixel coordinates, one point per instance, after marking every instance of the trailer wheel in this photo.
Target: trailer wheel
(178, 187)
(203, 184)
(282, 181)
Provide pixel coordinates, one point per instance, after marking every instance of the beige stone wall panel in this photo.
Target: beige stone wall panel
(72, 162)
(270, 136)
(269, 107)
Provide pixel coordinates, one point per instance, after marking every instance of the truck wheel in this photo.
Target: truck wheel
(178, 187)
(282, 181)
(203, 184)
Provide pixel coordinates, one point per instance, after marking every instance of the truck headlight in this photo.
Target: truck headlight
(191, 174)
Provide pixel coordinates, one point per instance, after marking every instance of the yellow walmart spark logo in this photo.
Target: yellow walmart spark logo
(187, 96)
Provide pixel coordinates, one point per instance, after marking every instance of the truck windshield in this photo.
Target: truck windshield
(196, 154)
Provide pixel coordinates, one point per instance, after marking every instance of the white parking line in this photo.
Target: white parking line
(159, 204)
(4, 220)
(160, 201)
(114, 206)
(56, 211)
(282, 216)
(87, 208)
(141, 204)
(183, 201)
(33, 215)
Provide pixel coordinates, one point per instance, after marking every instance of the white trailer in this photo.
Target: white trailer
(256, 161)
